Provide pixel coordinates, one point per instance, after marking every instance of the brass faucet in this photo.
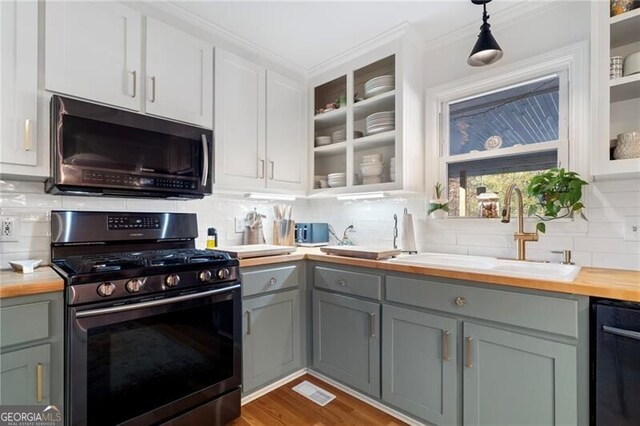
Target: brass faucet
(521, 237)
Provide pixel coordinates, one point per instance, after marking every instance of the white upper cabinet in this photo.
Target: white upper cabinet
(93, 51)
(179, 78)
(285, 132)
(18, 89)
(259, 124)
(239, 122)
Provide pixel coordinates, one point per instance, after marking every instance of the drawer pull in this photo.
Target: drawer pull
(273, 281)
(372, 324)
(134, 77)
(153, 89)
(469, 352)
(445, 345)
(461, 301)
(39, 396)
(342, 282)
(248, 322)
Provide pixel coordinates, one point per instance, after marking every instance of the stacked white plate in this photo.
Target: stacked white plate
(341, 135)
(371, 168)
(378, 85)
(380, 122)
(336, 179)
(392, 169)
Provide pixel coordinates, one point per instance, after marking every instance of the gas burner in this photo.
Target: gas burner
(104, 262)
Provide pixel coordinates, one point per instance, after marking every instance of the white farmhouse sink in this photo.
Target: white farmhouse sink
(493, 265)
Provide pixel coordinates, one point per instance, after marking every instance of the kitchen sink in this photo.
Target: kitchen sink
(493, 265)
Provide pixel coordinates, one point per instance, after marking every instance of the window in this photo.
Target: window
(501, 135)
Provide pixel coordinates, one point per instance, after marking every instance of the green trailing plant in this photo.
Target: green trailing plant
(435, 204)
(558, 193)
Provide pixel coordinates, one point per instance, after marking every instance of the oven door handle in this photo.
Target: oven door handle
(621, 332)
(124, 308)
(205, 160)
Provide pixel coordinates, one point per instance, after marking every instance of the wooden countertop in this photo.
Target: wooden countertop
(598, 282)
(42, 280)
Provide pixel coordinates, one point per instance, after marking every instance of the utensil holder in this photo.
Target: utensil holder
(284, 232)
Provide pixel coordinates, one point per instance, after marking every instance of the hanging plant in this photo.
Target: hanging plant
(558, 193)
(438, 206)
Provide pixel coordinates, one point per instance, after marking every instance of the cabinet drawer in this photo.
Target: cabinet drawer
(550, 314)
(266, 280)
(343, 281)
(24, 323)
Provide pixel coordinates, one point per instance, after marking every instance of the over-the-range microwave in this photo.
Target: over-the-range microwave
(98, 150)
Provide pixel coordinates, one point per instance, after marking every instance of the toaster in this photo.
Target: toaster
(312, 233)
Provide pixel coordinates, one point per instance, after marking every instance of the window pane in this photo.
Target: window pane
(494, 174)
(521, 115)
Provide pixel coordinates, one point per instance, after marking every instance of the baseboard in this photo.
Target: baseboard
(265, 390)
(373, 402)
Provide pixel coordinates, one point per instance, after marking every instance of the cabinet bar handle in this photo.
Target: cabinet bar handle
(27, 135)
(621, 332)
(39, 396)
(153, 88)
(134, 75)
(248, 322)
(445, 345)
(273, 167)
(261, 167)
(469, 352)
(372, 324)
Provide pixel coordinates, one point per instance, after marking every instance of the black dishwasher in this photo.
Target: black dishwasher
(616, 372)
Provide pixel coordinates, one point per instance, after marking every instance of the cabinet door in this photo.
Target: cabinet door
(24, 376)
(346, 340)
(179, 75)
(18, 82)
(285, 132)
(514, 379)
(239, 122)
(93, 52)
(271, 343)
(419, 373)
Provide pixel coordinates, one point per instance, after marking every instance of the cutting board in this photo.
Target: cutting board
(374, 253)
(256, 250)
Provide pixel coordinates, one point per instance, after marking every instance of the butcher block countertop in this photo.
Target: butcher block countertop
(598, 282)
(42, 280)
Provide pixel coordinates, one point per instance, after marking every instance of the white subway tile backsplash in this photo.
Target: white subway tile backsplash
(617, 260)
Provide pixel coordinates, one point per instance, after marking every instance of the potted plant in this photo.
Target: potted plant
(558, 194)
(438, 206)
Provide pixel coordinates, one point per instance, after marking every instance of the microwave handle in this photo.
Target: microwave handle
(205, 160)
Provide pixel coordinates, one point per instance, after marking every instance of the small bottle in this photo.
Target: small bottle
(212, 238)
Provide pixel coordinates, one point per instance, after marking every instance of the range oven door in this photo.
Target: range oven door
(150, 361)
(103, 150)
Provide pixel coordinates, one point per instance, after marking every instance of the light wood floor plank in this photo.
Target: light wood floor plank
(284, 406)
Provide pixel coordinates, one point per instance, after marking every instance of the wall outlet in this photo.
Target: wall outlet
(632, 228)
(239, 224)
(9, 228)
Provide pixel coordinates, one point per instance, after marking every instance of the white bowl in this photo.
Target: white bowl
(371, 180)
(371, 158)
(371, 169)
(323, 140)
(25, 266)
(336, 175)
(631, 64)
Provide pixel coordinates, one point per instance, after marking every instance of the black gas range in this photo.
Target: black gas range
(153, 325)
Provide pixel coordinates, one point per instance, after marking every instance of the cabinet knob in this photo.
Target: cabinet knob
(273, 281)
(461, 301)
(342, 282)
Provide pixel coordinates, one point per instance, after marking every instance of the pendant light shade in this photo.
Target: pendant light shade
(486, 50)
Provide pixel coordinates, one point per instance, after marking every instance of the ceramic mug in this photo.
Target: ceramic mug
(628, 146)
(615, 67)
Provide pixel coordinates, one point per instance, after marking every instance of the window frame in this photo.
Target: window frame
(569, 63)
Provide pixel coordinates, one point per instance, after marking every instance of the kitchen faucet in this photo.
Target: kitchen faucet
(345, 240)
(521, 237)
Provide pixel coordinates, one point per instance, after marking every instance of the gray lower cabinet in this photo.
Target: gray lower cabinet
(31, 351)
(515, 379)
(419, 373)
(271, 342)
(346, 340)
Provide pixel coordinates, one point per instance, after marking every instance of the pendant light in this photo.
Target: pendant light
(486, 50)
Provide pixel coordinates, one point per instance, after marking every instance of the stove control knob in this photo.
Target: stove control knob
(106, 289)
(204, 276)
(223, 273)
(172, 280)
(133, 286)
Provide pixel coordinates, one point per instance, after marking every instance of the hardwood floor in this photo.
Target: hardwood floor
(284, 406)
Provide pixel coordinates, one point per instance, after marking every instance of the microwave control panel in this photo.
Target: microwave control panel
(128, 180)
(116, 222)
